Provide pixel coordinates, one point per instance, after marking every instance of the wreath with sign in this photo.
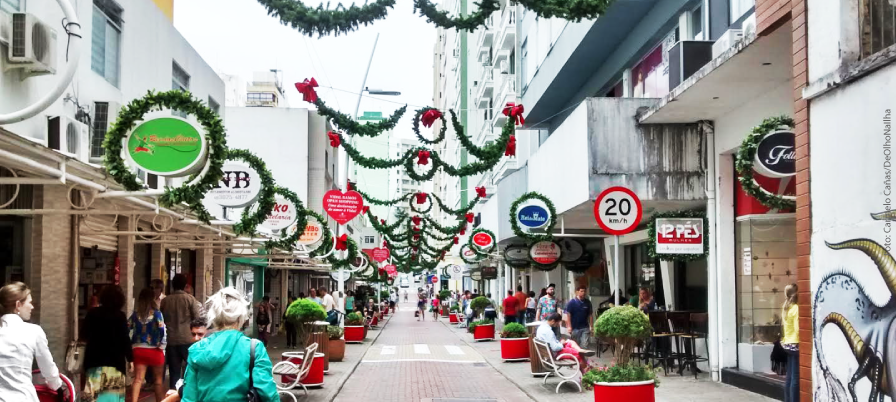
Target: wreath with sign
(478, 250)
(326, 240)
(265, 203)
(467, 260)
(288, 242)
(320, 21)
(539, 266)
(531, 237)
(651, 235)
(744, 164)
(190, 194)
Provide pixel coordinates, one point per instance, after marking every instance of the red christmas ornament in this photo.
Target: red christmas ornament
(334, 139)
(456, 240)
(430, 117)
(469, 217)
(306, 88)
(511, 146)
(416, 237)
(515, 112)
(480, 192)
(463, 230)
(364, 209)
(382, 221)
(423, 157)
(342, 243)
(421, 197)
(416, 220)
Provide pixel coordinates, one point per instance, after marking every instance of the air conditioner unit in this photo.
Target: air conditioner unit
(728, 39)
(32, 46)
(455, 52)
(504, 67)
(749, 25)
(69, 137)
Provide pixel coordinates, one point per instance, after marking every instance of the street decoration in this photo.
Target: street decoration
(572, 250)
(312, 233)
(321, 21)
(529, 219)
(683, 235)
(380, 254)
(238, 188)
(166, 146)
(482, 241)
(428, 116)
(252, 217)
(287, 211)
(746, 157)
(283, 215)
(213, 140)
(545, 255)
(516, 256)
(343, 206)
(469, 256)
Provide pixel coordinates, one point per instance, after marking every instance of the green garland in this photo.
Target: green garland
(570, 10)
(476, 259)
(489, 152)
(462, 223)
(461, 211)
(289, 242)
(530, 237)
(651, 235)
(215, 137)
(469, 23)
(423, 139)
(476, 248)
(744, 164)
(372, 200)
(344, 263)
(265, 203)
(326, 239)
(353, 127)
(310, 21)
(412, 201)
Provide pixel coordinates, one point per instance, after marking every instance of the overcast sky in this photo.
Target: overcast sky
(237, 37)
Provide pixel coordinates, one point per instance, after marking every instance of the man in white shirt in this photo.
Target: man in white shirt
(545, 333)
(326, 300)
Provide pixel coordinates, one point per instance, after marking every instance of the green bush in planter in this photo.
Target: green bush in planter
(514, 330)
(335, 331)
(624, 326)
(619, 373)
(454, 309)
(445, 295)
(384, 295)
(478, 304)
(475, 324)
(354, 319)
(301, 314)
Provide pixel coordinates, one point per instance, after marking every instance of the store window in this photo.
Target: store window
(11, 6)
(738, 8)
(105, 38)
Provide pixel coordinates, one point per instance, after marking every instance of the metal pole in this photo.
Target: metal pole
(616, 268)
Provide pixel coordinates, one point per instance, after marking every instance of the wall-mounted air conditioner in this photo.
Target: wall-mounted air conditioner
(504, 67)
(69, 136)
(749, 25)
(455, 52)
(32, 45)
(728, 39)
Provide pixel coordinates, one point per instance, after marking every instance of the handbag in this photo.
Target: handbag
(74, 356)
(252, 395)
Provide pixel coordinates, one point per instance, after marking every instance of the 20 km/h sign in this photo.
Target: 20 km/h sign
(618, 210)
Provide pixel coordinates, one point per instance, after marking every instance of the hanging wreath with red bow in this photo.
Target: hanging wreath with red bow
(334, 139)
(306, 88)
(515, 112)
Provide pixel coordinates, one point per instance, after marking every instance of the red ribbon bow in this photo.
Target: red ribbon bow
(364, 209)
(348, 185)
(480, 192)
(383, 222)
(382, 271)
(342, 243)
(456, 240)
(511, 146)
(463, 230)
(416, 237)
(516, 112)
(416, 220)
(430, 117)
(416, 228)
(334, 139)
(423, 157)
(306, 88)
(421, 197)
(469, 217)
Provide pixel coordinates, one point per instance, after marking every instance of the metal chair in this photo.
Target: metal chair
(567, 369)
(660, 342)
(698, 323)
(288, 368)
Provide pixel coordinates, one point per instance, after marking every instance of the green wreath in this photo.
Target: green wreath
(344, 263)
(326, 242)
(215, 137)
(540, 266)
(481, 251)
(475, 260)
(320, 21)
(265, 203)
(288, 242)
(651, 235)
(412, 201)
(442, 131)
(744, 164)
(549, 229)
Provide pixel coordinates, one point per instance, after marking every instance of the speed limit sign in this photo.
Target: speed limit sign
(618, 210)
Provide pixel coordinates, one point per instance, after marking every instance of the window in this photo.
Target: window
(738, 8)
(260, 97)
(214, 105)
(368, 239)
(11, 6)
(697, 23)
(105, 40)
(877, 25)
(100, 125)
(179, 80)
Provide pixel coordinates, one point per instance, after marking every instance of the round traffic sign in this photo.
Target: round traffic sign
(435, 279)
(618, 210)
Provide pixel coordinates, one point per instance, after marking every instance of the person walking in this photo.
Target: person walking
(148, 339)
(179, 309)
(22, 343)
(520, 304)
(108, 356)
(510, 305)
(581, 317)
(158, 288)
(421, 306)
(220, 365)
(329, 304)
(263, 319)
(435, 308)
(290, 329)
(531, 303)
(349, 302)
(489, 312)
(312, 294)
(547, 304)
(791, 343)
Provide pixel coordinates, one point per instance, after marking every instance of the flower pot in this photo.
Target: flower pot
(453, 318)
(315, 376)
(443, 313)
(385, 310)
(375, 321)
(337, 350)
(355, 333)
(513, 349)
(639, 391)
(484, 332)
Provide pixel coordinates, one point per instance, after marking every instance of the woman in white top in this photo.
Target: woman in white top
(20, 344)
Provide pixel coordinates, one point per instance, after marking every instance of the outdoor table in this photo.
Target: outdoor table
(534, 362)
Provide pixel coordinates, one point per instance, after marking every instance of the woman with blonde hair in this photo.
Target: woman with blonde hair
(790, 315)
(219, 367)
(23, 343)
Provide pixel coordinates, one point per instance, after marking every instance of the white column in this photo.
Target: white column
(722, 250)
(611, 260)
(668, 271)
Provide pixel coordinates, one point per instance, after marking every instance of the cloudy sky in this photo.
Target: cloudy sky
(238, 37)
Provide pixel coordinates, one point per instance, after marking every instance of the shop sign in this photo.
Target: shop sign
(455, 272)
(312, 234)
(282, 216)
(391, 270)
(545, 252)
(340, 275)
(618, 210)
(343, 207)
(679, 236)
(533, 216)
(380, 254)
(581, 264)
(238, 188)
(483, 240)
(748, 262)
(167, 146)
(489, 272)
(516, 256)
(571, 249)
(476, 275)
(776, 154)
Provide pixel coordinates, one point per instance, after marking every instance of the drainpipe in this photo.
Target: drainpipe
(712, 260)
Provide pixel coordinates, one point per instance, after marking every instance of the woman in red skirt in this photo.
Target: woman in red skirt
(148, 339)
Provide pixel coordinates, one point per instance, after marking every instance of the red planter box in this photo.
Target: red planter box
(355, 334)
(315, 376)
(385, 310)
(484, 332)
(374, 321)
(641, 391)
(514, 349)
(453, 318)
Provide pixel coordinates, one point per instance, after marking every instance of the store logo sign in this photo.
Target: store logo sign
(238, 188)
(282, 216)
(679, 236)
(533, 216)
(168, 146)
(776, 155)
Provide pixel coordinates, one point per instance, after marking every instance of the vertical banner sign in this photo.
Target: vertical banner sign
(618, 212)
(343, 207)
(168, 146)
(282, 216)
(679, 236)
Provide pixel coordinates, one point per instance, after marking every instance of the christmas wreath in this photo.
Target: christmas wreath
(479, 250)
(351, 249)
(429, 114)
(326, 240)
(475, 260)
(549, 229)
(412, 201)
(310, 21)
(190, 194)
(744, 164)
(288, 242)
(265, 203)
(651, 235)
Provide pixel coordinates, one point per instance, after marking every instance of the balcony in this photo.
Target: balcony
(486, 87)
(506, 32)
(504, 168)
(500, 56)
(505, 94)
(490, 189)
(485, 133)
(486, 37)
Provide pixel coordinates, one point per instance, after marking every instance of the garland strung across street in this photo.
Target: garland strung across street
(288, 241)
(651, 235)
(265, 203)
(744, 164)
(514, 216)
(345, 122)
(429, 115)
(320, 21)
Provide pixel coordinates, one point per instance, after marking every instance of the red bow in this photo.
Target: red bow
(511, 146)
(416, 220)
(382, 271)
(416, 237)
(480, 192)
(334, 139)
(348, 185)
(364, 209)
(307, 89)
(456, 240)
(423, 157)
(469, 217)
(342, 242)
(415, 248)
(382, 221)
(421, 197)
(463, 230)
(515, 111)
(430, 117)
(416, 228)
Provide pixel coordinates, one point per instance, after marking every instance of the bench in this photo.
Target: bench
(288, 368)
(566, 369)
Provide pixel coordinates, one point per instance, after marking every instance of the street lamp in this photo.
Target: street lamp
(381, 92)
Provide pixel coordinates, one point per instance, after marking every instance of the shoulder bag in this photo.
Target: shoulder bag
(252, 395)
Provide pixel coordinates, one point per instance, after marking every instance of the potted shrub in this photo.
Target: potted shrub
(354, 328)
(455, 315)
(514, 342)
(444, 296)
(337, 344)
(478, 305)
(624, 326)
(482, 330)
(301, 314)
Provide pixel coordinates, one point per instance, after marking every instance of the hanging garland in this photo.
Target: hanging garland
(182, 101)
(413, 201)
(326, 240)
(352, 127)
(461, 211)
(372, 200)
(288, 242)
(570, 10)
(744, 164)
(344, 263)
(651, 235)
(469, 23)
(428, 114)
(475, 260)
(489, 152)
(533, 237)
(478, 250)
(265, 203)
(320, 21)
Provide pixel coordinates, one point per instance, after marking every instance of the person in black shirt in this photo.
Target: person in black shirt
(108, 357)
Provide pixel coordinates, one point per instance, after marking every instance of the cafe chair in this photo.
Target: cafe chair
(296, 372)
(699, 326)
(566, 369)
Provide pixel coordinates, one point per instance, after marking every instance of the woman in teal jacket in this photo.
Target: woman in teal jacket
(218, 365)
